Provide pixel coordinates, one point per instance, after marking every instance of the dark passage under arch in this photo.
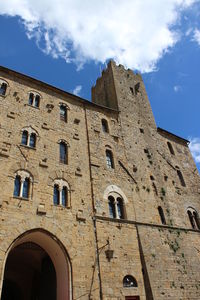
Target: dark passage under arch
(29, 274)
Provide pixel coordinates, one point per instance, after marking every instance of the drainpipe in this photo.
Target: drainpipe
(94, 210)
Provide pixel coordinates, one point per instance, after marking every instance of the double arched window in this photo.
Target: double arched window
(60, 193)
(3, 87)
(116, 206)
(34, 99)
(194, 218)
(22, 184)
(29, 137)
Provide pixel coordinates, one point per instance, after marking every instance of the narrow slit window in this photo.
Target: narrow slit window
(63, 113)
(63, 153)
(191, 219)
(109, 159)
(171, 150)
(104, 124)
(3, 89)
(182, 181)
(162, 216)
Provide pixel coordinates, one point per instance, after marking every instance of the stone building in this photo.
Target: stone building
(96, 201)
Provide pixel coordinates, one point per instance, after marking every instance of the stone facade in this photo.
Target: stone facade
(150, 170)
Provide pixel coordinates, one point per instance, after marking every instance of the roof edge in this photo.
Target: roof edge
(173, 135)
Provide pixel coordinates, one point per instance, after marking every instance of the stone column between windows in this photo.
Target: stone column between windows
(116, 210)
(60, 195)
(28, 140)
(21, 186)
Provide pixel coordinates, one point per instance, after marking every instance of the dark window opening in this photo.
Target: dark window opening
(63, 113)
(129, 281)
(171, 150)
(30, 100)
(137, 88)
(64, 196)
(32, 142)
(132, 91)
(63, 153)
(109, 159)
(37, 101)
(120, 208)
(194, 219)
(56, 195)
(104, 125)
(162, 216)
(24, 137)
(111, 204)
(3, 89)
(182, 181)
(25, 191)
(17, 185)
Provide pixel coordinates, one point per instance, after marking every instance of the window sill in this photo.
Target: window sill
(4, 96)
(26, 146)
(60, 206)
(33, 106)
(21, 198)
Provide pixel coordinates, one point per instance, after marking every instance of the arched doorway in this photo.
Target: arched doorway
(29, 274)
(37, 268)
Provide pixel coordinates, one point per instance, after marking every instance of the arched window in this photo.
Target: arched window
(25, 190)
(32, 142)
(104, 124)
(162, 216)
(30, 100)
(109, 159)
(63, 113)
(37, 100)
(3, 88)
(63, 153)
(28, 138)
(129, 281)
(120, 208)
(116, 206)
(17, 184)
(194, 218)
(56, 195)
(60, 193)
(34, 99)
(180, 176)
(24, 137)
(170, 148)
(22, 185)
(111, 204)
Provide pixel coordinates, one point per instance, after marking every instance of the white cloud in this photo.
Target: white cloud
(196, 36)
(177, 88)
(77, 90)
(136, 33)
(195, 148)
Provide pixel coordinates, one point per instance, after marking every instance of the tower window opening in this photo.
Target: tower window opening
(171, 150)
(162, 216)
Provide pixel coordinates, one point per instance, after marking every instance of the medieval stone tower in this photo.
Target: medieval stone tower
(96, 201)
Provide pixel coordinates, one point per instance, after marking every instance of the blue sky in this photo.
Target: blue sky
(68, 44)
